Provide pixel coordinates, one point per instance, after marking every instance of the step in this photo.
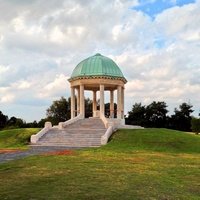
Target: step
(72, 139)
(72, 135)
(69, 142)
(83, 133)
(67, 145)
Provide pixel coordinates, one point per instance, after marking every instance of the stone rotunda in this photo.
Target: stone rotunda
(97, 73)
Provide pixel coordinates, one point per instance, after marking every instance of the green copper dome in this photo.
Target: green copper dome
(96, 66)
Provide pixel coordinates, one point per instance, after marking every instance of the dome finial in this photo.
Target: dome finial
(97, 54)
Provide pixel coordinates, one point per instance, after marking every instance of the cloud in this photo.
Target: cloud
(180, 23)
(40, 44)
(55, 88)
(22, 84)
(4, 69)
(9, 98)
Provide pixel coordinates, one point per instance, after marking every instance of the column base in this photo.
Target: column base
(82, 116)
(122, 121)
(96, 113)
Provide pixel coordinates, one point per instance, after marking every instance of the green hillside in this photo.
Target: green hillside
(16, 138)
(163, 140)
(136, 164)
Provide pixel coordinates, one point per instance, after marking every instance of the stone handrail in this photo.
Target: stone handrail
(106, 136)
(48, 126)
(36, 137)
(105, 121)
(70, 121)
(111, 127)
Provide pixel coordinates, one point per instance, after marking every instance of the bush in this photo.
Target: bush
(195, 125)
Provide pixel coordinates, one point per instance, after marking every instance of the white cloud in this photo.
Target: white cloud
(4, 69)
(9, 98)
(22, 84)
(55, 88)
(3, 89)
(57, 35)
(134, 85)
(41, 43)
(179, 22)
(18, 24)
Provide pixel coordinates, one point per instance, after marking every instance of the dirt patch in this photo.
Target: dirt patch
(60, 153)
(2, 151)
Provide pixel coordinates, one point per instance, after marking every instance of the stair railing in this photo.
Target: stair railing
(61, 125)
(111, 127)
(36, 137)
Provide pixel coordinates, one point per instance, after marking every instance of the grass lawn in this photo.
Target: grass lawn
(16, 138)
(136, 164)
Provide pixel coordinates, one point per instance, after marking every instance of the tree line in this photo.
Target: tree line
(152, 115)
(14, 122)
(155, 115)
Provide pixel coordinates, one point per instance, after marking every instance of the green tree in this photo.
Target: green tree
(20, 123)
(195, 125)
(12, 121)
(16, 122)
(137, 115)
(155, 115)
(42, 122)
(88, 108)
(59, 111)
(181, 120)
(3, 120)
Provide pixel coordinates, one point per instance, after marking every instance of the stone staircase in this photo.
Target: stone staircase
(83, 133)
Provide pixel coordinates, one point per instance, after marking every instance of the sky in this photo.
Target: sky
(156, 43)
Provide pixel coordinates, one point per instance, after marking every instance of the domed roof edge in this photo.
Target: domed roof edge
(97, 65)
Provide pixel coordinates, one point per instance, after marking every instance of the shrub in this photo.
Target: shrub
(195, 125)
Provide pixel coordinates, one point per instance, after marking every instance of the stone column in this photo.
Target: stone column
(119, 102)
(122, 103)
(72, 102)
(102, 106)
(78, 101)
(94, 105)
(111, 103)
(82, 101)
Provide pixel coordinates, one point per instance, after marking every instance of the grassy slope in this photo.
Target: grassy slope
(136, 164)
(16, 138)
(155, 140)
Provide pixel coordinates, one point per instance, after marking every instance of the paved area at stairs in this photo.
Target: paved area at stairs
(34, 150)
(83, 133)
